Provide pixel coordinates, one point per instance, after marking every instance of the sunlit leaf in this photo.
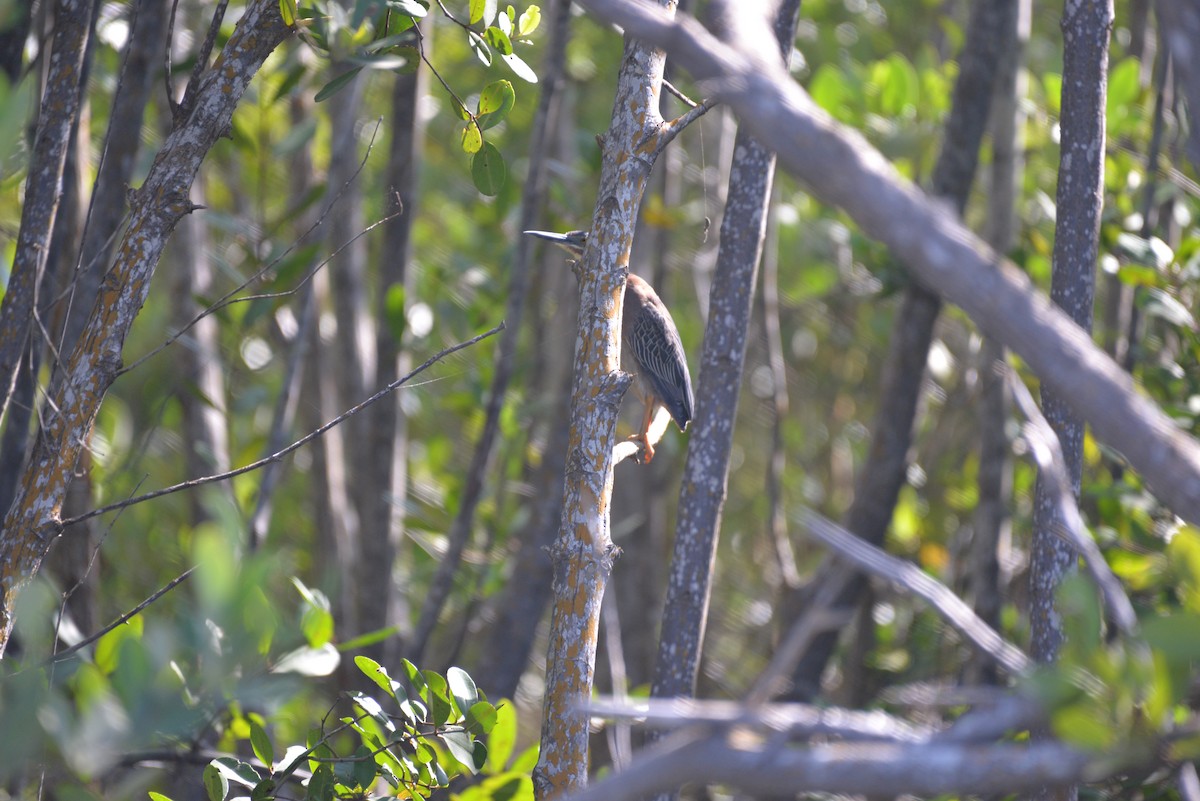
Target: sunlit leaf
(483, 11)
(502, 738)
(520, 68)
(235, 770)
(309, 661)
(529, 21)
(499, 40)
(472, 139)
(410, 8)
(495, 102)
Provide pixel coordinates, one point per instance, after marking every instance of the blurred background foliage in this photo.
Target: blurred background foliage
(247, 636)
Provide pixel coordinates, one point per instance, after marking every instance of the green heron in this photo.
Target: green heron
(650, 337)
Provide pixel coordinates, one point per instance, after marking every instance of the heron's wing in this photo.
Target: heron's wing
(661, 361)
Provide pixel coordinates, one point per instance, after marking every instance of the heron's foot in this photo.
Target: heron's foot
(643, 440)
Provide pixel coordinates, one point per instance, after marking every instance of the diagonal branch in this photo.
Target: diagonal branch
(275, 457)
(156, 208)
(842, 168)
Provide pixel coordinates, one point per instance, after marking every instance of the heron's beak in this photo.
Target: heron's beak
(572, 241)
(550, 235)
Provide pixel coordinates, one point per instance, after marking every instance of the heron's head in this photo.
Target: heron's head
(571, 241)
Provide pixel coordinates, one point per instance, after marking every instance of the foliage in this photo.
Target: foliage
(387, 35)
(232, 673)
(244, 659)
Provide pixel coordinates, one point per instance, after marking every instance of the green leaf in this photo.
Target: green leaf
(488, 170)
(526, 760)
(397, 321)
(472, 139)
(108, 647)
(321, 785)
(317, 620)
(158, 796)
(261, 743)
(366, 769)
(1124, 85)
(495, 101)
(480, 718)
(529, 21)
(502, 738)
(415, 677)
(499, 40)
(520, 68)
(337, 84)
(263, 790)
(378, 674)
(380, 61)
(440, 704)
(1152, 251)
(483, 11)
(287, 10)
(215, 783)
(236, 770)
(1162, 305)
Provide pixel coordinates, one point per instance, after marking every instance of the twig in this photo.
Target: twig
(228, 298)
(687, 101)
(912, 579)
(214, 27)
(819, 616)
(1047, 453)
(197, 482)
(281, 421)
(170, 585)
(672, 129)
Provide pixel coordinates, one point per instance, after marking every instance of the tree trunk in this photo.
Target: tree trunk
(706, 472)
(884, 471)
(33, 521)
(1080, 201)
(583, 553)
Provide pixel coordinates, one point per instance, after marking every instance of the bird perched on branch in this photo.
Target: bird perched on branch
(649, 337)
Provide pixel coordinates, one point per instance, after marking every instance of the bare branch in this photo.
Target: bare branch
(842, 168)
(912, 579)
(197, 482)
(67, 653)
(1047, 452)
(759, 767)
(797, 720)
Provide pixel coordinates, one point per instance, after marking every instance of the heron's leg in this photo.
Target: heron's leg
(643, 435)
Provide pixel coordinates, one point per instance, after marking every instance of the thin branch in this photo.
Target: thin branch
(197, 482)
(228, 298)
(687, 101)
(804, 720)
(170, 86)
(63, 655)
(672, 129)
(819, 616)
(214, 27)
(1047, 452)
(912, 579)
